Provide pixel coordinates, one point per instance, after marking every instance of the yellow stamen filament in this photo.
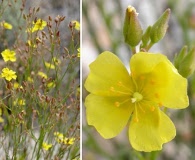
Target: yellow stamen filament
(119, 92)
(117, 104)
(136, 118)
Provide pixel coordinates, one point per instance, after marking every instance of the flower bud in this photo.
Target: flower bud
(187, 65)
(132, 30)
(159, 29)
(179, 57)
(146, 37)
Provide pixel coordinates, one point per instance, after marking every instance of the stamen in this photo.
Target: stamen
(152, 82)
(152, 108)
(120, 83)
(156, 95)
(117, 104)
(135, 118)
(160, 104)
(112, 89)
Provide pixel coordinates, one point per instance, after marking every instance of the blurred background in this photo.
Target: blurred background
(102, 23)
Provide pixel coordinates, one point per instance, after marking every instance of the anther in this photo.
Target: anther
(117, 104)
(156, 95)
(152, 82)
(152, 108)
(119, 83)
(112, 89)
(136, 119)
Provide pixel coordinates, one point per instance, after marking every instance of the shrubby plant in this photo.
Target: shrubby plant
(39, 86)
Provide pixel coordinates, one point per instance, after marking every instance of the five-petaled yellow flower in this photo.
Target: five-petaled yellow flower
(46, 146)
(38, 25)
(8, 55)
(8, 74)
(139, 97)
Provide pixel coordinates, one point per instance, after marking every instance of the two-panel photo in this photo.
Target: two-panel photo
(97, 80)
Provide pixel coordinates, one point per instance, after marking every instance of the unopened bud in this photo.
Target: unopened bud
(146, 37)
(179, 57)
(132, 30)
(187, 65)
(159, 29)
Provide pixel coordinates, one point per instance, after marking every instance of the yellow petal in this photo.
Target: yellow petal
(108, 115)
(162, 83)
(108, 77)
(147, 135)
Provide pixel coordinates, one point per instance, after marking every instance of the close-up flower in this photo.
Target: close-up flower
(8, 74)
(8, 55)
(139, 97)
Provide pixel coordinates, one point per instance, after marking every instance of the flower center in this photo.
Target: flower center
(136, 97)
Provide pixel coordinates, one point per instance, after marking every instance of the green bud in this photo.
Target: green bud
(187, 65)
(146, 37)
(132, 30)
(159, 29)
(179, 57)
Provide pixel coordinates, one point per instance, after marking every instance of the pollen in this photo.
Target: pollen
(152, 82)
(142, 77)
(112, 89)
(160, 104)
(152, 108)
(117, 104)
(136, 119)
(156, 95)
(120, 83)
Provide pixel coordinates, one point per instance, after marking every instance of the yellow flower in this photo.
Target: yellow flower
(56, 61)
(51, 84)
(59, 137)
(7, 25)
(46, 146)
(42, 75)
(78, 54)
(38, 25)
(20, 102)
(77, 25)
(31, 44)
(17, 85)
(69, 141)
(29, 79)
(8, 74)
(118, 97)
(8, 55)
(49, 65)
